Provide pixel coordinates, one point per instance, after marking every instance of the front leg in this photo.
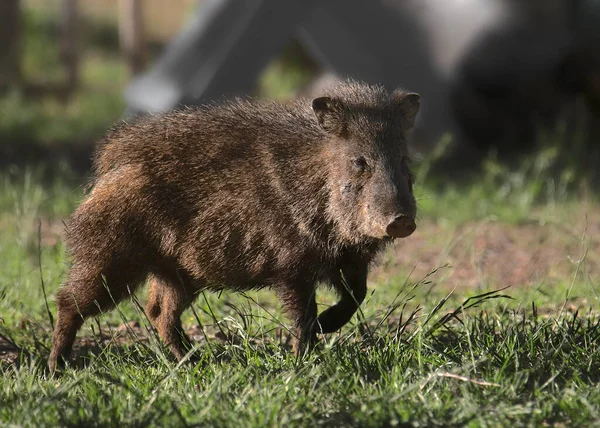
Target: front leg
(351, 283)
(299, 302)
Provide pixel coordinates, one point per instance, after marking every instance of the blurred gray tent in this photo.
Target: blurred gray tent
(477, 64)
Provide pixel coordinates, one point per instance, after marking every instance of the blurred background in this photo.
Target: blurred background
(499, 78)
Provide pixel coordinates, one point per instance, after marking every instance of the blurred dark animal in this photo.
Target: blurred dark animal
(242, 195)
(523, 73)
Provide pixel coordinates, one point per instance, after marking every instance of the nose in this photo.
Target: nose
(401, 227)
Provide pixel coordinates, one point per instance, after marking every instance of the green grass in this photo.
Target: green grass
(418, 354)
(493, 370)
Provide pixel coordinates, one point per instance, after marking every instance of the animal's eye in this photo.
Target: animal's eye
(359, 164)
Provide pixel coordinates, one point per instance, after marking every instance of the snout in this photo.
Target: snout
(401, 227)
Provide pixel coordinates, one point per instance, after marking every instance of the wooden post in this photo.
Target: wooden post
(68, 46)
(131, 34)
(9, 43)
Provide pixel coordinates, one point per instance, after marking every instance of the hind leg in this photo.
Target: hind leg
(168, 299)
(68, 322)
(83, 296)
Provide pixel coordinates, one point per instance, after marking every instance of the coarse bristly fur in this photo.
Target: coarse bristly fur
(242, 195)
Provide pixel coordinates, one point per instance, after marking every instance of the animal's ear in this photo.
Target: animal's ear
(407, 106)
(330, 115)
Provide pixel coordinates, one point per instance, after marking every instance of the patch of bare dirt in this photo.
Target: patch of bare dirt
(487, 253)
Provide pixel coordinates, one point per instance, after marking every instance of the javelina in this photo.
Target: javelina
(242, 195)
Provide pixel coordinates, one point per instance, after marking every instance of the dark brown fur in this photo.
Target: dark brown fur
(242, 195)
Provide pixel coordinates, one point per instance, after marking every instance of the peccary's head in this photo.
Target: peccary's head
(370, 183)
